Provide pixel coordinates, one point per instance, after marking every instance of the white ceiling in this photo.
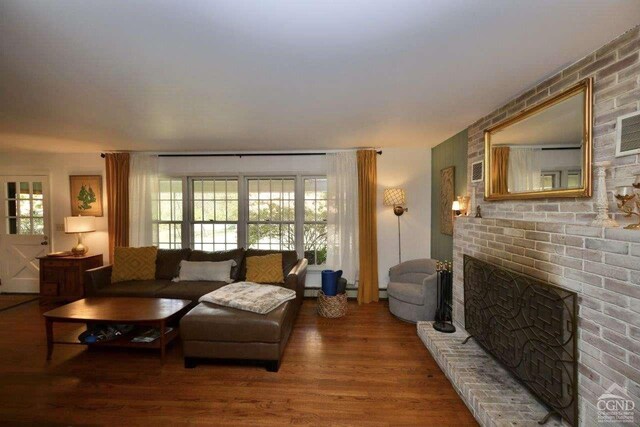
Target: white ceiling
(94, 75)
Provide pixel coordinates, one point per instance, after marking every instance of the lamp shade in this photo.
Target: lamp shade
(79, 224)
(455, 206)
(394, 197)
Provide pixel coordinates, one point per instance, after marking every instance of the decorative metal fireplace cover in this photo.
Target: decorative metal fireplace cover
(530, 327)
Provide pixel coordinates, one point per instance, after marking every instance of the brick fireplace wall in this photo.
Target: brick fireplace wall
(601, 265)
(615, 68)
(550, 239)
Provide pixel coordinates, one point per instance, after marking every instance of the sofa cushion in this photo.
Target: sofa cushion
(188, 290)
(205, 270)
(132, 288)
(408, 292)
(235, 254)
(168, 262)
(211, 322)
(134, 264)
(265, 268)
(289, 260)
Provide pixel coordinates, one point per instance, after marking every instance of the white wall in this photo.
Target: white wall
(58, 167)
(408, 168)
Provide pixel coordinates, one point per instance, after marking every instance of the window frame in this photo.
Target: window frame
(243, 208)
(248, 222)
(190, 219)
(304, 221)
(183, 238)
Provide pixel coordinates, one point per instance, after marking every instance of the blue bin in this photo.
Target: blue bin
(330, 282)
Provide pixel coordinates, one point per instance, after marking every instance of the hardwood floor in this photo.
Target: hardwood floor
(365, 369)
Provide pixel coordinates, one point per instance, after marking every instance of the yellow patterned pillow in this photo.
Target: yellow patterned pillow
(265, 269)
(134, 264)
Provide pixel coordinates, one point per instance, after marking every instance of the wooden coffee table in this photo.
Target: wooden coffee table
(156, 312)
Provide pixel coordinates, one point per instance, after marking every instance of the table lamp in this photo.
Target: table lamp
(79, 225)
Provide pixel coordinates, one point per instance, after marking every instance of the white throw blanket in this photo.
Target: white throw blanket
(250, 296)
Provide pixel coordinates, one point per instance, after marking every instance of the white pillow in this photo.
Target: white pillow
(206, 271)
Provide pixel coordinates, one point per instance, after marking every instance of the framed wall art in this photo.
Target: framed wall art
(447, 190)
(86, 195)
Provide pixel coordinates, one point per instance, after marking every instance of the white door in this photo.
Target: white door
(24, 231)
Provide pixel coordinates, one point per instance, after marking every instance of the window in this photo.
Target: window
(222, 213)
(550, 180)
(25, 209)
(214, 213)
(315, 220)
(168, 213)
(271, 213)
(574, 179)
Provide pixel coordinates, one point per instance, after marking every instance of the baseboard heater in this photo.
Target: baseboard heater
(530, 327)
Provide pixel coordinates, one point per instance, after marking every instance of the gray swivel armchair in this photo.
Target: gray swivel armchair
(412, 290)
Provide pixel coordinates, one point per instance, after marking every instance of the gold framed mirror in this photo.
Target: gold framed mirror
(544, 151)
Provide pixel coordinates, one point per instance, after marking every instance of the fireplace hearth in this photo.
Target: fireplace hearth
(529, 326)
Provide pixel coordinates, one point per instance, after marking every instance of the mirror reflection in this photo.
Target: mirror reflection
(542, 149)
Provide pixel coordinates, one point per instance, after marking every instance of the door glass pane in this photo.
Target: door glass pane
(37, 190)
(11, 190)
(24, 190)
(23, 209)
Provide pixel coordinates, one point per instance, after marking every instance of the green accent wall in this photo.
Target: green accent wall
(452, 152)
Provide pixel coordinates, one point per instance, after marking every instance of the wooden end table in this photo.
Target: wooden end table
(155, 312)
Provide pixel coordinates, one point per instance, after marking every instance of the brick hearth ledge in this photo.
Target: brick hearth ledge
(493, 396)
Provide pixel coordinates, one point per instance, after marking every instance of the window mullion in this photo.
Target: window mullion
(243, 212)
(299, 215)
(187, 212)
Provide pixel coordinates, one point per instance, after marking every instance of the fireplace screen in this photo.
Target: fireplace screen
(530, 327)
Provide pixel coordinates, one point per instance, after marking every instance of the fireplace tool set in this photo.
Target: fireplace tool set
(443, 321)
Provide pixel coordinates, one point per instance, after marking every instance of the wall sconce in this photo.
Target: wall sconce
(455, 207)
(625, 195)
(460, 206)
(464, 204)
(397, 198)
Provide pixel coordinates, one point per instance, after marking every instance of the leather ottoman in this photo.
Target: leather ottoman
(212, 331)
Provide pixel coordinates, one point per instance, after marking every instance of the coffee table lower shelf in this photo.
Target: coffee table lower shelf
(123, 341)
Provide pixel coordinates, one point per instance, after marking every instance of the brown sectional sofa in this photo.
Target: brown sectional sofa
(211, 331)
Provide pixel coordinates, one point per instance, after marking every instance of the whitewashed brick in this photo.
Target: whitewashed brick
(581, 230)
(630, 262)
(607, 271)
(607, 246)
(622, 234)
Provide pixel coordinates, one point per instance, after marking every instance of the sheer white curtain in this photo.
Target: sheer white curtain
(525, 169)
(143, 189)
(342, 214)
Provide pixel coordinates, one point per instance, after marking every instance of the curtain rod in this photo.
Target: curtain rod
(242, 154)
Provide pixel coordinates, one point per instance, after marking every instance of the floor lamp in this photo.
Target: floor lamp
(396, 197)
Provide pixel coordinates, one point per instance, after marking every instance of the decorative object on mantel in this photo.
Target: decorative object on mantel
(444, 299)
(478, 212)
(447, 187)
(86, 195)
(626, 194)
(397, 198)
(79, 225)
(602, 202)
